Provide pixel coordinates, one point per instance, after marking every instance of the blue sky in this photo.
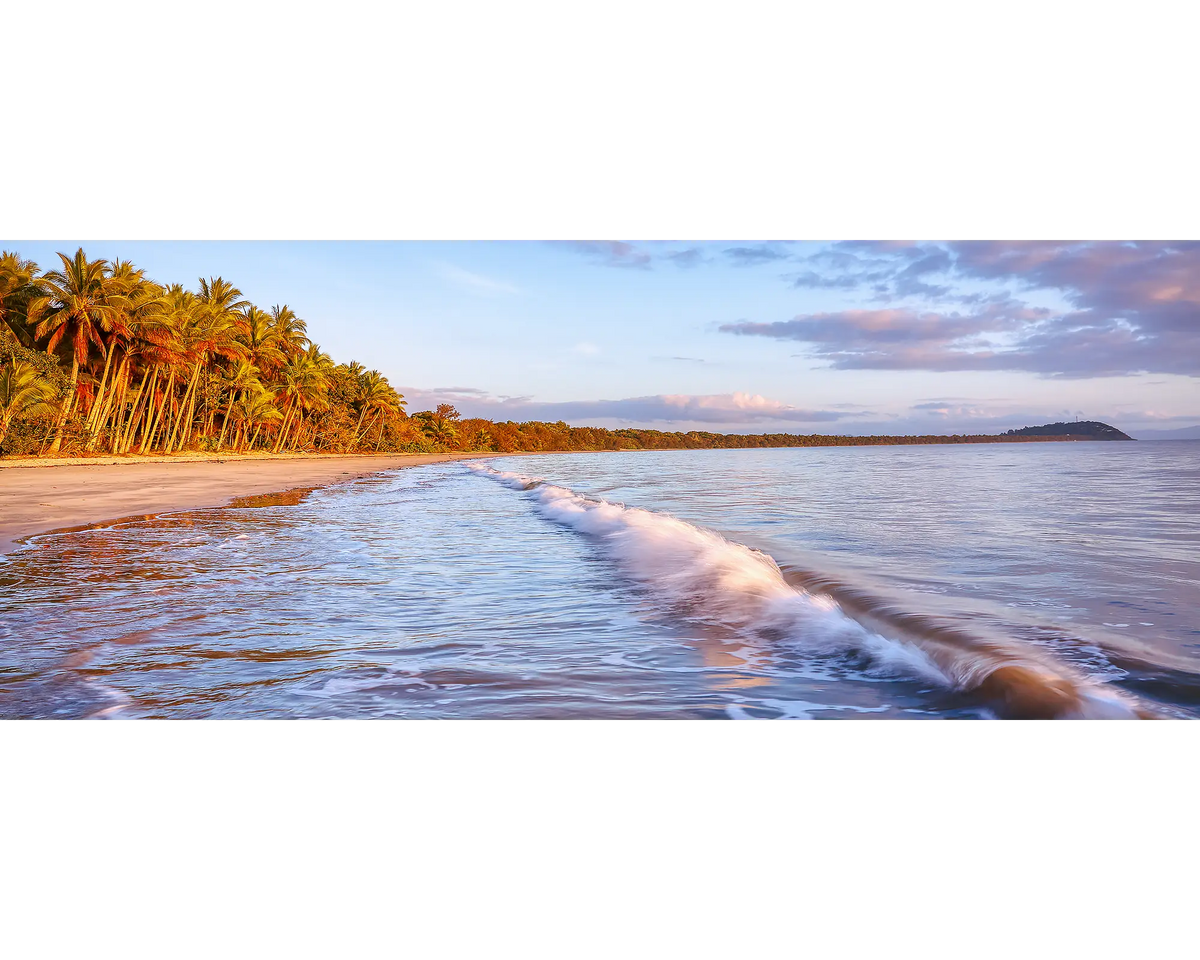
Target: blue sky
(739, 336)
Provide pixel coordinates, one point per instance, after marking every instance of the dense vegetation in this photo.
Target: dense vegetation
(95, 357)
(1091, 429)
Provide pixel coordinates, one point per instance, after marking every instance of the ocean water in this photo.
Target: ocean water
(1011, 580)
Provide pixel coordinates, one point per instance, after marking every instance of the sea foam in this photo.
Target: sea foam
(708, 577)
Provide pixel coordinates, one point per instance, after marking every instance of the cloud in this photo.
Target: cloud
(908, 281)
(749, 413)
(943, 400)
(726, 409)
(957, 411)
(813, 280)
(474, 281)
(754, 256)
(1156, 417)
(609, 253)
(902, 338)
(586, 349)
(889, 270)
(687, 259)
(1129, 307)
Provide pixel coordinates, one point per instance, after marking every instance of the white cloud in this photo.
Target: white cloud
(729, 409)
(473, 281)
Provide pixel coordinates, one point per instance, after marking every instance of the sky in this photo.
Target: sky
(848, 337)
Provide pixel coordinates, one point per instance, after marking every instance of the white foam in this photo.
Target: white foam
(715, 579)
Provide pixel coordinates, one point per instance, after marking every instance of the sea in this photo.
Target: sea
(989, 581)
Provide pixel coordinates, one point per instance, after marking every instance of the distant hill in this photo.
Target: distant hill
(1083, 429)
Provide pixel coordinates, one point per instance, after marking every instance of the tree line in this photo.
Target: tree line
(95, 357)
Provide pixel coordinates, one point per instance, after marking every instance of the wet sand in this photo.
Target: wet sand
(37, 496)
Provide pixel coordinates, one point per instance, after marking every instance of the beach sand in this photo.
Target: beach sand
(37, 496)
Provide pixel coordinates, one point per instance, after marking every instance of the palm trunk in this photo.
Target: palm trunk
(370, 424)
(225, 422)
(146, 420)
(73, 397)
(164, 414)
(104, 398)
(148, 439)
(357, 435)
(212, 419)
(299, 430)
(117, 420)
(66, 406)
(118, 405)
(177, 427)
(283, 429)
(136, 410)
(98, 403)
(102, 419)
(191, 414)
(171, 418)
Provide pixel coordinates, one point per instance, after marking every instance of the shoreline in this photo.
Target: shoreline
(40, 495)
(65, 495)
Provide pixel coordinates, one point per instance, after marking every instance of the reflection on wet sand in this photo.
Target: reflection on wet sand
(284, 498)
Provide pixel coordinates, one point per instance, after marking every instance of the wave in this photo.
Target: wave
(710, 578)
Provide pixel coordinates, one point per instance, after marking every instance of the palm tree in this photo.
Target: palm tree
(18, 286)
(263, 346)
(205, 333)
(140, 306)
(439, 424)
(290, 331)
(23, 393)
(241, 378)
(79, 303)
(304, 387)
(320, 358)
(253, 412)
(439, 431)
(152, 344)
(374, 394)
(480, 440)
(223, 304)
(222, 298)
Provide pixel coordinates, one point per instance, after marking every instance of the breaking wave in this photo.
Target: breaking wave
(709, 578)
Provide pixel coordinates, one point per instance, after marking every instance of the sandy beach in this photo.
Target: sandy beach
(37, 496)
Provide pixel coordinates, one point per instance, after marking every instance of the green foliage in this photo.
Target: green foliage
(28, 437)
(1092, 429)
(48, 370)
